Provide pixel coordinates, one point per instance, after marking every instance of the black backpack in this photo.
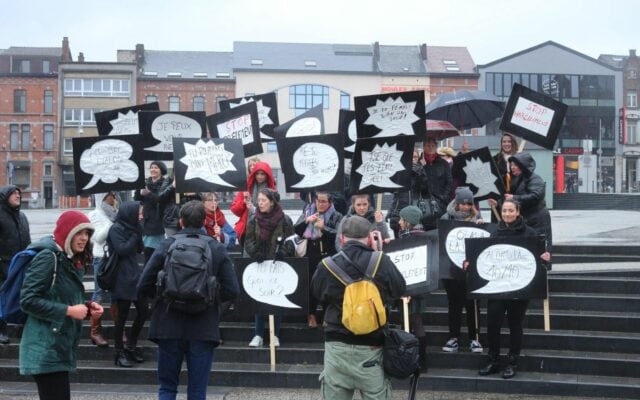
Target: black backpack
(187, 282)
(400, 353)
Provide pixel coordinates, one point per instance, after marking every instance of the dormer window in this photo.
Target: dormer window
(310, 63)
(223, 75)
(256, 61)
(174, 74)
(200, 75)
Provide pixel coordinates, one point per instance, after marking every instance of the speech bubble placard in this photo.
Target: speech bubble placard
(314, 162)
(416, 257)
(391, 114)
(452, 235)
(240, 122)
(107, 163)
(267, 106)
(309, 123)
(347, 128)
(506, 267)
(203, 165)
(122, 121)
(158, 128)
(274, 287)
(477, 170)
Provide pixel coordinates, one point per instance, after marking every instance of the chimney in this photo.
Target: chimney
(376, 56)
(140, 55)
(632, 52)
(423, 52)
(66, 51)
(81, 57)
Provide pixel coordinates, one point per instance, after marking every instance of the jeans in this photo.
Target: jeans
(199, 355)
(99, 296)
(260, 324)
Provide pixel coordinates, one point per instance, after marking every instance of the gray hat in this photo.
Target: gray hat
(464, 195)
(411, 214)
(356, 227)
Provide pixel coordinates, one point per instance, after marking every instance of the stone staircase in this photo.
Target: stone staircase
(593, 349)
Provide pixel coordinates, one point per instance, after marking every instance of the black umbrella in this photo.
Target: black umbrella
(465, 109)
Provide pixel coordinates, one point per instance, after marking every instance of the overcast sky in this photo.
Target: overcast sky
(490, 29)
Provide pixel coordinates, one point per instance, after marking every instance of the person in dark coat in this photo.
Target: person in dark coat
(14, 237)
(512, 225)
(362, 207)
(318, 224)
(180, 335)
(354, 362)
(152, 207)
(53, 298)
(508, 148)
(125, 240)
(433, 181)
(402, 199)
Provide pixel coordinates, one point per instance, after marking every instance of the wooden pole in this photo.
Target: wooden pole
(272, 347)
(378, 201)
(477, 313)
(545, 307)
(405, 313)
(496, 213)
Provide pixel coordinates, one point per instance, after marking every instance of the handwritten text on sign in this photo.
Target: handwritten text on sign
(318, 163)
(379, 165)
(207, 161)
(392, 117)
(507, 268)
(412, 264)
(269, 282)
(168, 126)
(532, 116)
(237, 128)
(455, 242)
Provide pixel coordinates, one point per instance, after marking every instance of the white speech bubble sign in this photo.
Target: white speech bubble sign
(237, 128)
(305, 127)
(392, 117)
(318, 162)
(269, 282)
(532, 116)
(353, 135)
(168, 126)
(109, 160)
(454, 243)
(412, 264)
(379, 165)
(125, 124)
(479, 174)
(507, 268)
(206, 160)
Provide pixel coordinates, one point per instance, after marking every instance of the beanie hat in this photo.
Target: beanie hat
(161, 165)
(68, 224)
(464, 195)
(356, 227)
(411, 214)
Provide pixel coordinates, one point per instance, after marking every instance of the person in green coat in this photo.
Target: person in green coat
(52, 296)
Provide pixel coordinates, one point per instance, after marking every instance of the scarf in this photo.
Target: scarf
(430, 158)
(213, 219)
(312, 232)
(109, 210)
(268, 222)
(458, 215)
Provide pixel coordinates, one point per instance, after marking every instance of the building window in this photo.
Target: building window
(14, 137)
(47, 136)
(21, 177)
(96, 87)
(218, 100)
(46, 66)
(198, 103)
(304, 97)
(48, 101)
(150, 99)
(68, 147)
(633, 74)
(632, 98)
(47, 170)
(80, 116)
(345, 101)
(26, 136)
(632, 133)
(174, 103)
(21, 66)
(20, 101)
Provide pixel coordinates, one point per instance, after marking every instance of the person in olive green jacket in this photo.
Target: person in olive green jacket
(52, 296)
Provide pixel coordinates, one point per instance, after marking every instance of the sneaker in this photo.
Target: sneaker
(256, 341)
(276, 341)
(475, 347)
(451, 345)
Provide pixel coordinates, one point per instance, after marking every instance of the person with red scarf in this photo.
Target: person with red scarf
(432, 180)
(266, 231)
(215, 223)
(243, 204)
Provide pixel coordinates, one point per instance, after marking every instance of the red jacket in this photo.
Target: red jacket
(238, 206)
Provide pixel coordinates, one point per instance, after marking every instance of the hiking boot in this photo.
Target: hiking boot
(256, 341)
(451, 345)
(475, 347)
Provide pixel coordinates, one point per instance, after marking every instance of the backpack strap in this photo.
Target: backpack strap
(336, 270)
(342, 276)
(374, 263)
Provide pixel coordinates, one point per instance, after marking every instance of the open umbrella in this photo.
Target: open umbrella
(465, 109)
(440, 130)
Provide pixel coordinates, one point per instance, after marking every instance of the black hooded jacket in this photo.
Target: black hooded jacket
(14, 230)
(125, 240)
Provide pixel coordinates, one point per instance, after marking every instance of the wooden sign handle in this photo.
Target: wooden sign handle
(405, 313)
(272, 347)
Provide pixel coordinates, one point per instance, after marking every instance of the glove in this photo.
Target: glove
(259, 257)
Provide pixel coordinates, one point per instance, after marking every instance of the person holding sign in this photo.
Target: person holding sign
(361, 206)
(243, 204)
(354, 362)
(152, 207)
(508, 147)
(265, 235)
(512, 224)
(461, 208)
(318, 225)
(215, 222)
(410, 226)
(432, 180)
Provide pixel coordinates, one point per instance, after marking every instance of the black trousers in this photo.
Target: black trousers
(142, 309)
(515, 311)
(457, 295)
(53, 386)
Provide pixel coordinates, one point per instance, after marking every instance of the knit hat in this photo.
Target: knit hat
(161, 165)
(464, 195)
(68, 224)
(356, 227)
(446, 151)
(411, 214)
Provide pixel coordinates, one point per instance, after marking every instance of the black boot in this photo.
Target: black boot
(423, 353)
(134, 353)
(511, 369)
(491, 368)
(121, 360)
(4, 336)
